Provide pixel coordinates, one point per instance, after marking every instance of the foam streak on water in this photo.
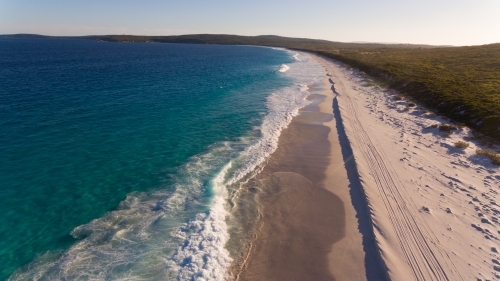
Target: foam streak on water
(284, 68)
(179, 235)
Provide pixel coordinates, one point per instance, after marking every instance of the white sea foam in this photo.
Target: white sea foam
(283, 105)
(202, 255)
(284, 68)
(147, 239)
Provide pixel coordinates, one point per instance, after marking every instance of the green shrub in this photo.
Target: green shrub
(447, 128)
(433, 126)
(494, 156)
(461, 144)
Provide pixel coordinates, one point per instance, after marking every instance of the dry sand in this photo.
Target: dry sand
(434, 207)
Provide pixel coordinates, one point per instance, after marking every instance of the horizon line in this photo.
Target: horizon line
(221, 34)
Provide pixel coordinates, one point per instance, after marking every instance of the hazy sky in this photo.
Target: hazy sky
(444, 22)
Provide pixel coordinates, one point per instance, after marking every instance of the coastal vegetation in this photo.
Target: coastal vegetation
(461, 83)
(492, 155)
(447, 128)
(461, 144)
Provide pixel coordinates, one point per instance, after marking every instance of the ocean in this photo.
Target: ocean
(120, 161)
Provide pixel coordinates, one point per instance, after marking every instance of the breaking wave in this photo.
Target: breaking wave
(179, 234)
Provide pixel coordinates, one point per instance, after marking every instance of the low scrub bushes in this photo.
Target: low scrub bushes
(461, 144)
(447, 128)
(494, 156)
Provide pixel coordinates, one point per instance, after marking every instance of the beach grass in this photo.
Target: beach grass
(447, 128)
(492, 155)
(461, 144)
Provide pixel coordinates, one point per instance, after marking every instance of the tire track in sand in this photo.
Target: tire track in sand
(418, 243)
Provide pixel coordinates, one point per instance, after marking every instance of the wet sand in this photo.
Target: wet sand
(309, 209)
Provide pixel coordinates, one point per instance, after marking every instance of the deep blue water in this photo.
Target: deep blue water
(83, 124)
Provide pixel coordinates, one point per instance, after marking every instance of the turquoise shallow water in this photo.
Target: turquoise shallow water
(117, 158)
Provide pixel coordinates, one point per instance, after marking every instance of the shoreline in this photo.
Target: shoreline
(309, 209)
(398, 199)
(432, 205)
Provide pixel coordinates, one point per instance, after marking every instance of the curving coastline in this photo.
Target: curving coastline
(309, 205)
(365, 186)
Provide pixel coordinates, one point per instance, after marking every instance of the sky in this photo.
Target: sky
(434, 22)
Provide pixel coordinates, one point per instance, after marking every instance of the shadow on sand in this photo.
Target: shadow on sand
(376, 270)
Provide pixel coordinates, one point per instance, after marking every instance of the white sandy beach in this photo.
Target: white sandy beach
(433, 207)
